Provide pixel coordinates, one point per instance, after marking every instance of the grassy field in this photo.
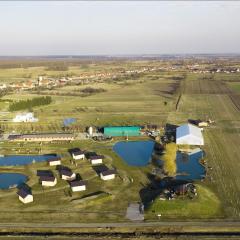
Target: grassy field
(205, 205)
(150, 99)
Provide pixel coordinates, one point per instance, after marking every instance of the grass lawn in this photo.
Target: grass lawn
(205, 205)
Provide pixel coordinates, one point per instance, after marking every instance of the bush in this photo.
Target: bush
(91, 90)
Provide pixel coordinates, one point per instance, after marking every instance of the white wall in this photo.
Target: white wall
(78, 157)
(96, 161)
(54, 163)
(73, 177)
(108, 177)
(27, 199)
(190, 140)
(78, 188)
(49, 184)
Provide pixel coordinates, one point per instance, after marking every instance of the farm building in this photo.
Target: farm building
(43, 137)
(54, 161)
(97, 159)
(77, 186)
(189, 135)
(122, 131)
(108, 175)
(25, 195)
(25, 117)
(48, 181)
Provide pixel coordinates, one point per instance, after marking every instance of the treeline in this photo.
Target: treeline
(57, 67)
(30, 103)
(91, 90)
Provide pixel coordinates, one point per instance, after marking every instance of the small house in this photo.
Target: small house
(97, 159)
(108, 174)
(48, 181)
(54, 161)
(77, 155)
(67, 174)
(25, 195)
(78, 185)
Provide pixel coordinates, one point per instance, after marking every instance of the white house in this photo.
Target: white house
(96, 159)
(54, 161)
(78, 186)
(108, 174)
(25, 195)
(77, 155)
(25, 117)
(67, 174)
(189, 135)
(48, 181)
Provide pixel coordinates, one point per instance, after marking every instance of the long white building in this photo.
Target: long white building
(189, 135)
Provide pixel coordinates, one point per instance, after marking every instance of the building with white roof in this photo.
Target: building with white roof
(189, 135)
(25, 117)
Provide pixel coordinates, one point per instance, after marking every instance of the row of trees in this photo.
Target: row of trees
(30, 103)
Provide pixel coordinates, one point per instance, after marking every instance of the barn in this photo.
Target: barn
(126, 131)
(189, 135)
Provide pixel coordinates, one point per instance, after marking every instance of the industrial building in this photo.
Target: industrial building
(189, 135)
(126, 131)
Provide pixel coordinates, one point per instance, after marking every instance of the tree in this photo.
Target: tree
(169, 159)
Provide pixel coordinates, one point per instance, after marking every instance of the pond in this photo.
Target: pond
(135, 153)
(189, 167)
(11, 180)
(18, 160)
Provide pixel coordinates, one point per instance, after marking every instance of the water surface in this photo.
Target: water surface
(135, 153)
(11, 180)
(189, 167)
(18, 160)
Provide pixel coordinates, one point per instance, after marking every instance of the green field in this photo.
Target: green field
(149, 99)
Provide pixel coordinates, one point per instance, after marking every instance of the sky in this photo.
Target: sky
(120, 27)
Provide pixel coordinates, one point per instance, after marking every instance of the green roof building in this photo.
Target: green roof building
(122, 131)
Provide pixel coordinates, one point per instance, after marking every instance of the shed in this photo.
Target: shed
(25, 195)
(77, 155)
(97, 159)
(122, 131)
(54, 161)
(189, 135)
(108, 175)
(67, 174)
(78, 185)
(48, 181)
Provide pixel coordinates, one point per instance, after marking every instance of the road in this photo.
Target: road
(217, 224)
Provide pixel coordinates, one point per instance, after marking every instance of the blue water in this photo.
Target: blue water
(135, 153)
(189, 167)
(18, 160)
(69, 121)
(8, 180)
